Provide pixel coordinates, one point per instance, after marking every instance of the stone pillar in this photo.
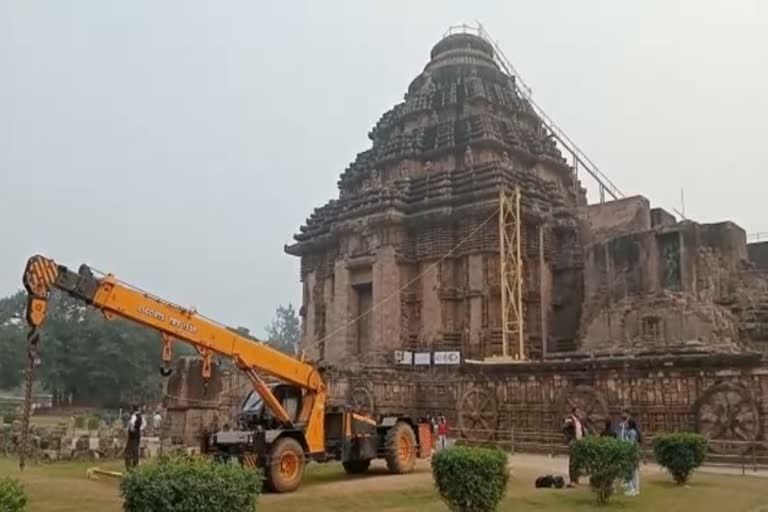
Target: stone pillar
(385, 328)
(337, 346)
(328, 297)
(431, 314)
(309, 339)
(545, 281)
(475, 277)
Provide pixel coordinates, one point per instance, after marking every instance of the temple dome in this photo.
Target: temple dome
(469, 42)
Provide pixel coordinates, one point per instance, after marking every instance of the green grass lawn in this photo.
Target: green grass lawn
(64, 487)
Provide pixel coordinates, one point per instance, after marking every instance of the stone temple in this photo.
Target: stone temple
(617, 304)
(414, 230)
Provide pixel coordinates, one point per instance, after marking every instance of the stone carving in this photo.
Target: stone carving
(361, 400)
(671, 261)
(469, 159)
(375, 182)
(477, 413)
(428, 87)
(404, 170)
(728, 412)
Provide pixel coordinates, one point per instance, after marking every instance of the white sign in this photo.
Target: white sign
(447, 358)
(422, 358)
(403, 357)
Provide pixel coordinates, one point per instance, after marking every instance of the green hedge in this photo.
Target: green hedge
(93, 423)
(9, 417)
(605, 460)
(680, 453)
(12, 497)
(471, 479)
(186, 484)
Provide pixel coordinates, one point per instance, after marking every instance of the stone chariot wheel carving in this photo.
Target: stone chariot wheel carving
(590, 402)
(728, 412)
(361, 401)
(478, 414)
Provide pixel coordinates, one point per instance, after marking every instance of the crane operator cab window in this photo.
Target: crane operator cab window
(254, 412)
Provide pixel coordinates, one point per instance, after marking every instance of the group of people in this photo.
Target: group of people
(439, 432)
(577, 426)
(136, 426)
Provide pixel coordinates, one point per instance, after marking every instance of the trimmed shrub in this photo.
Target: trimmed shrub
(93, 423)
(471, 479)
(605, 460)
(80, 422)
(187, 484)
(12, 497)
(680, 453)
(9, 417)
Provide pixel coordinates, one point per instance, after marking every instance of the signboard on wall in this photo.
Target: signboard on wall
(422, 358)
(443, 358)
(403, 357)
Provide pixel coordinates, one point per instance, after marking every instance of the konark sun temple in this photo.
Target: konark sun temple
(462, 271)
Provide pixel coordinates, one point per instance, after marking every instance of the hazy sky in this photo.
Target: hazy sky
(180, 144)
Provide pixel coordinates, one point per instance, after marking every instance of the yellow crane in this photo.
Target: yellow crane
(281, 426)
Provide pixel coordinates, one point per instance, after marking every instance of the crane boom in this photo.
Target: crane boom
(117, 299)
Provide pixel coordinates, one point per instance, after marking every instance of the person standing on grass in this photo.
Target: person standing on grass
(631, 434)
(136, 425)
(442, 433)
(433, 429)
(157, 422)
(574, 430)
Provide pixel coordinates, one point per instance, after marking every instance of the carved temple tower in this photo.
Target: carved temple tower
(407, 258)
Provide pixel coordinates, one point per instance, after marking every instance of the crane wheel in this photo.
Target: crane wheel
(286, 466)
(400, 448)
(356, 467)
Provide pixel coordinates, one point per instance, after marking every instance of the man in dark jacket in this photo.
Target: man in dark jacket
(136, 426)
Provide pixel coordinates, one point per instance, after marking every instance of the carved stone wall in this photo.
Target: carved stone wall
(722, 397)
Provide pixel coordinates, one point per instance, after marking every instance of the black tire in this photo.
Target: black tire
(400, 448)
(286, 466)
(356, 467)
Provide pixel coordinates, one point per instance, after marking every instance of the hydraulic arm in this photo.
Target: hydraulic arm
(116, 299)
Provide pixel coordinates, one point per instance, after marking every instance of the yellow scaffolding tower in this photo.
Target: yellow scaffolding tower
(511, 272)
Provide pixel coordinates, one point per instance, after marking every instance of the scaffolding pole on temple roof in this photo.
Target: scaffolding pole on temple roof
(511, 272)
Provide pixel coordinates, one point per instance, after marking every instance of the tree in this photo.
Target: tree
(11, 356)
(284, 332)
(471, 479)
(83, 356)
(186, 484)
(12, 340)
(605, 460)
(680, 453)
